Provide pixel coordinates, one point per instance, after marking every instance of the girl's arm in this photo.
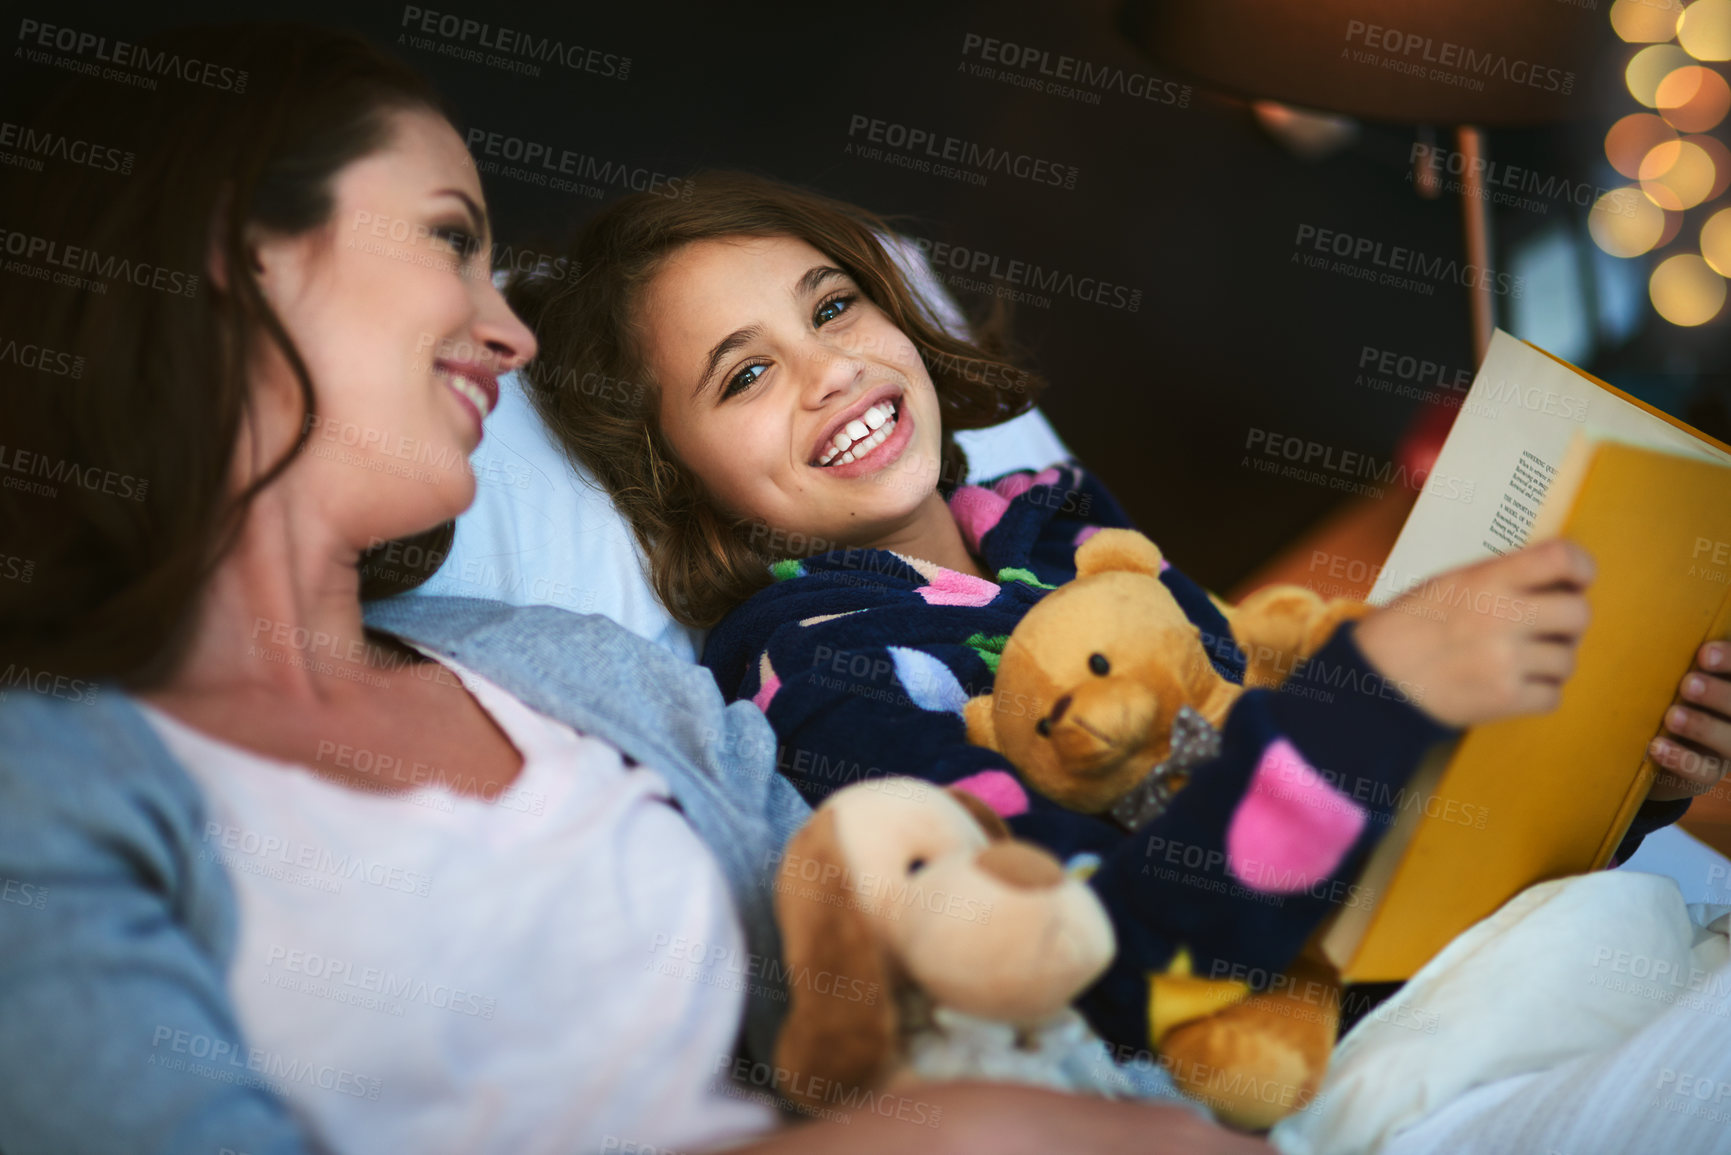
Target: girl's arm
(1255, 851)
(1266, 840)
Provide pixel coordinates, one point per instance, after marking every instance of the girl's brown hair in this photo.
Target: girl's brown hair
(126, 427)
(592, 385)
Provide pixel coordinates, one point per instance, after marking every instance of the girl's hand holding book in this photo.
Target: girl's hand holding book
(1486, 641)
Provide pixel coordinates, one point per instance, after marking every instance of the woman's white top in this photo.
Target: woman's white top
(430, 972)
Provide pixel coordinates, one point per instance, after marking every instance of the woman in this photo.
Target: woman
(283, 875)
(789, 468)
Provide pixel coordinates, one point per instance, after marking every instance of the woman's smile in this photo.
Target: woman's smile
(475, 388)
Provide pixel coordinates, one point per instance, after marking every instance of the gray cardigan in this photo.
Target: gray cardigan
(117, 1033)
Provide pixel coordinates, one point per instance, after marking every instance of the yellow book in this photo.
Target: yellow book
(1546, 451)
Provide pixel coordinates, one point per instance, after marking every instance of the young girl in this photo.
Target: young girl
(788, 466)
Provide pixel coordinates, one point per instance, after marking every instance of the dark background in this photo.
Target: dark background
(1196, 207)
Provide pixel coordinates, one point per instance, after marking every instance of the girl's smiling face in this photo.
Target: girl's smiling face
(794, 398)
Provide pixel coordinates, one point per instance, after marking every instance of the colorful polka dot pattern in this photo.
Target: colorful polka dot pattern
(768, 683)
(1291, 829)
(990, 647)
(1012, 573)
(950, 587)
(997, 789)
(976, 510)
(928, 683)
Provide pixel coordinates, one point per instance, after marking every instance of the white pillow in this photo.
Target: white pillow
(543, 531)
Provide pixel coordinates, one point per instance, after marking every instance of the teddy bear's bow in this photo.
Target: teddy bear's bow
(1194, 741)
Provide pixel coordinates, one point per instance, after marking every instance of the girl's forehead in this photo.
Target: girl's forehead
(752, 249)
(731, 271)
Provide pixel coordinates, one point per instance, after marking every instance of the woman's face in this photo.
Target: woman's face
(392, 307)
(791, 395)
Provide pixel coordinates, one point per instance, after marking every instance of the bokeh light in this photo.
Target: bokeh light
(1693, 99)
(1673, 226)
(1686, 291)
(1649, 67)
(1721, 158)
(1646, 21)
(1705, 29)
(1678, 175)
(1625, 223)
(1632, 138)
(1716, 242)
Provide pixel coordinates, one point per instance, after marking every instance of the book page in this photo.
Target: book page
(1506, 446)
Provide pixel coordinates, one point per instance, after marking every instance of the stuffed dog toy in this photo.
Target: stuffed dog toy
(923, 942)
(1129, 703)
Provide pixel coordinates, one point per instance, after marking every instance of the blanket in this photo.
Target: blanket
(1565, 968)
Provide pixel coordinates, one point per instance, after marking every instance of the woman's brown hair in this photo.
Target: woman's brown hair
(592, 385)
(120, 431)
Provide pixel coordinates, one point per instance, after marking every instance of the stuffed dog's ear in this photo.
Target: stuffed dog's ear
(1118, 549)
(982, 727)
(983, 814)
(841, 1023)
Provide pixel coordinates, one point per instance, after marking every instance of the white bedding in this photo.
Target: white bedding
(1564, 969)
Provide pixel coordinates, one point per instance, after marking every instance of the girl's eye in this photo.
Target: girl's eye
(464, 243)
(742, 380)
(832, 308)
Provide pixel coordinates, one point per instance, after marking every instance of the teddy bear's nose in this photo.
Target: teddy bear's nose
(1044, 725)
(1020, 865)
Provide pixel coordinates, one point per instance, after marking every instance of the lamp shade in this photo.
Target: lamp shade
(1483, 62)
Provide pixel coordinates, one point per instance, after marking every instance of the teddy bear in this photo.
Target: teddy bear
(1115, 662)
(1126, 703)
(921, 942)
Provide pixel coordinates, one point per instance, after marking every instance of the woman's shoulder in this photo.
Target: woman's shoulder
(88, 789)
(531, 644)
(441, 617)
(584, 669)
(63, 739)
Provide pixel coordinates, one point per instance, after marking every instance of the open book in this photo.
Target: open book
(1541, 449)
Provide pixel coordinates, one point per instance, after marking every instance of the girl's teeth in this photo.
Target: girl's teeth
(861, 435)
(861, 448)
